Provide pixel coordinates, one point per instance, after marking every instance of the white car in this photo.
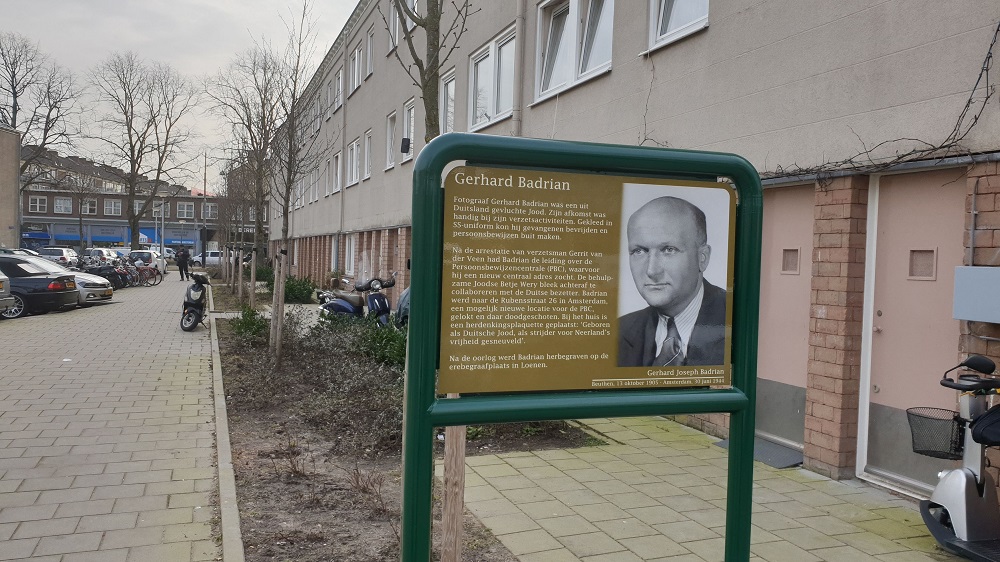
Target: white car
(62, 256)
(150, 258)
(212, 257)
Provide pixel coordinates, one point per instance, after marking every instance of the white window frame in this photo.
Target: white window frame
(185, 209)
(336, 173)
(447, 79)
(338, 98)
(370, 52)
(137, 207)
(412, 4)
(62, 205)
(366, 171)
(349, 250)
(656, 8)
(158, 206)
(38, 204)
(112, 207)
(490, 51)
(328, 181)
(574, 34)
(354, 162)
(356, 68)
(390, 140)
(210, 211)
(393, 25)
(409, 126)
(88, 207)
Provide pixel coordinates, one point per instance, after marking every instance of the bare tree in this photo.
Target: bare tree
(140, 126)
(38, 98)
(82, 189)
(441, 36)
(296, 152)
(247, 94)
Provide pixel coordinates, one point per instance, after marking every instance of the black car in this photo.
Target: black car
(34, 289)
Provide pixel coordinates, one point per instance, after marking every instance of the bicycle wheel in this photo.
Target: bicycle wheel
(147, 277)
(157, 276)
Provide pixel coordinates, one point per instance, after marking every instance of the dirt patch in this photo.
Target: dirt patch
(316, 450)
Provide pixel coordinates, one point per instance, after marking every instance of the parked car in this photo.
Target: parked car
(6, 301)
(93, 288)
(62, 256)
(150, 258)
(36, 290)
(18, 251)
(104, 255)
(212, 257)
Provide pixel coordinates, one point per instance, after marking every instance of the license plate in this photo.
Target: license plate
(108, 293)
(71, 284)
(1, 285)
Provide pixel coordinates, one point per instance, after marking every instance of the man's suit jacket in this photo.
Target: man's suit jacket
(637, 333)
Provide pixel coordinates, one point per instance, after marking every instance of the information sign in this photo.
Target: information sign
(571, 281)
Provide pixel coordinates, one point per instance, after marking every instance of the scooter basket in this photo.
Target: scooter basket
(936, 432)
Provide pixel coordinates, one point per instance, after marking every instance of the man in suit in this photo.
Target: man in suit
(685, 322)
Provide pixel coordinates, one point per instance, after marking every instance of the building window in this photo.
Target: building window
(354, 80)
(338, 92)
(393, 26)
(62, 205)
(112, 207)
(353, 161)
(89, 207)
(412, 4)
(367, 169)
(409, 125)
(185, 210)
(349, 254)
(161, 205)
(210, 211)
(673, 19)
(370, 51)
(336, 173)
(571, 53)
(447, 110)
(328, 184)
(492, 81)
(137, 207)
(390, 140)
(38, 204)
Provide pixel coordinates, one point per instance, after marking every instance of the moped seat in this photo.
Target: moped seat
(355, 299)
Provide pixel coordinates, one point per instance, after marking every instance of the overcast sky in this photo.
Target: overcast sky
(197, 37)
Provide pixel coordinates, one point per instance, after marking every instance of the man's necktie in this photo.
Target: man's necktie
(671, 353)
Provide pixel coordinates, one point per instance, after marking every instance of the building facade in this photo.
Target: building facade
(874, 124)
(70, 195)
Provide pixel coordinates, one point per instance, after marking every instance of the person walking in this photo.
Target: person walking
(182, 258)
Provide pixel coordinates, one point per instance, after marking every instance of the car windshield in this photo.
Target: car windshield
(47, 266)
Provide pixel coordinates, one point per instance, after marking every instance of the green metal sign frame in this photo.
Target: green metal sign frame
(422, 409)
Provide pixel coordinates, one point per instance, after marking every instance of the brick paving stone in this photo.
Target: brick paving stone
(93, 441)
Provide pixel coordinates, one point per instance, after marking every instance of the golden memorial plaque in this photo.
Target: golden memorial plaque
(560, 281)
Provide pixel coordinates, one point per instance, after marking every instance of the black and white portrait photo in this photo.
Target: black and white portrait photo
(673, 275)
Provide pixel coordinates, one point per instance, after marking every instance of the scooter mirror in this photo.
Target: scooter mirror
(979, 363)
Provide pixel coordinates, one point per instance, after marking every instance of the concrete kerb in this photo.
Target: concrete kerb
(232, 538)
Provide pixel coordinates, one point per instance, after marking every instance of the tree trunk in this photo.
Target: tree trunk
(253, 280)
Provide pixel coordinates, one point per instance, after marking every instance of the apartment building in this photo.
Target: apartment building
(873, 122)
(71, 199)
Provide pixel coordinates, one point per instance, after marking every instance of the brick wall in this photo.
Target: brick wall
(834, 367)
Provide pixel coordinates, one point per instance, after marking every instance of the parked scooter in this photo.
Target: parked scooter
(354, 303)
(195, 298)
(963, 512)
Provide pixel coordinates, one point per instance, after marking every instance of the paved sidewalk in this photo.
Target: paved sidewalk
(658, 493)
(107, 449)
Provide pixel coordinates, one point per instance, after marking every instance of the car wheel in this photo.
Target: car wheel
(17, 310)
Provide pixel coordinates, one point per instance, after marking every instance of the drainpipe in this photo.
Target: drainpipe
(519, 25)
